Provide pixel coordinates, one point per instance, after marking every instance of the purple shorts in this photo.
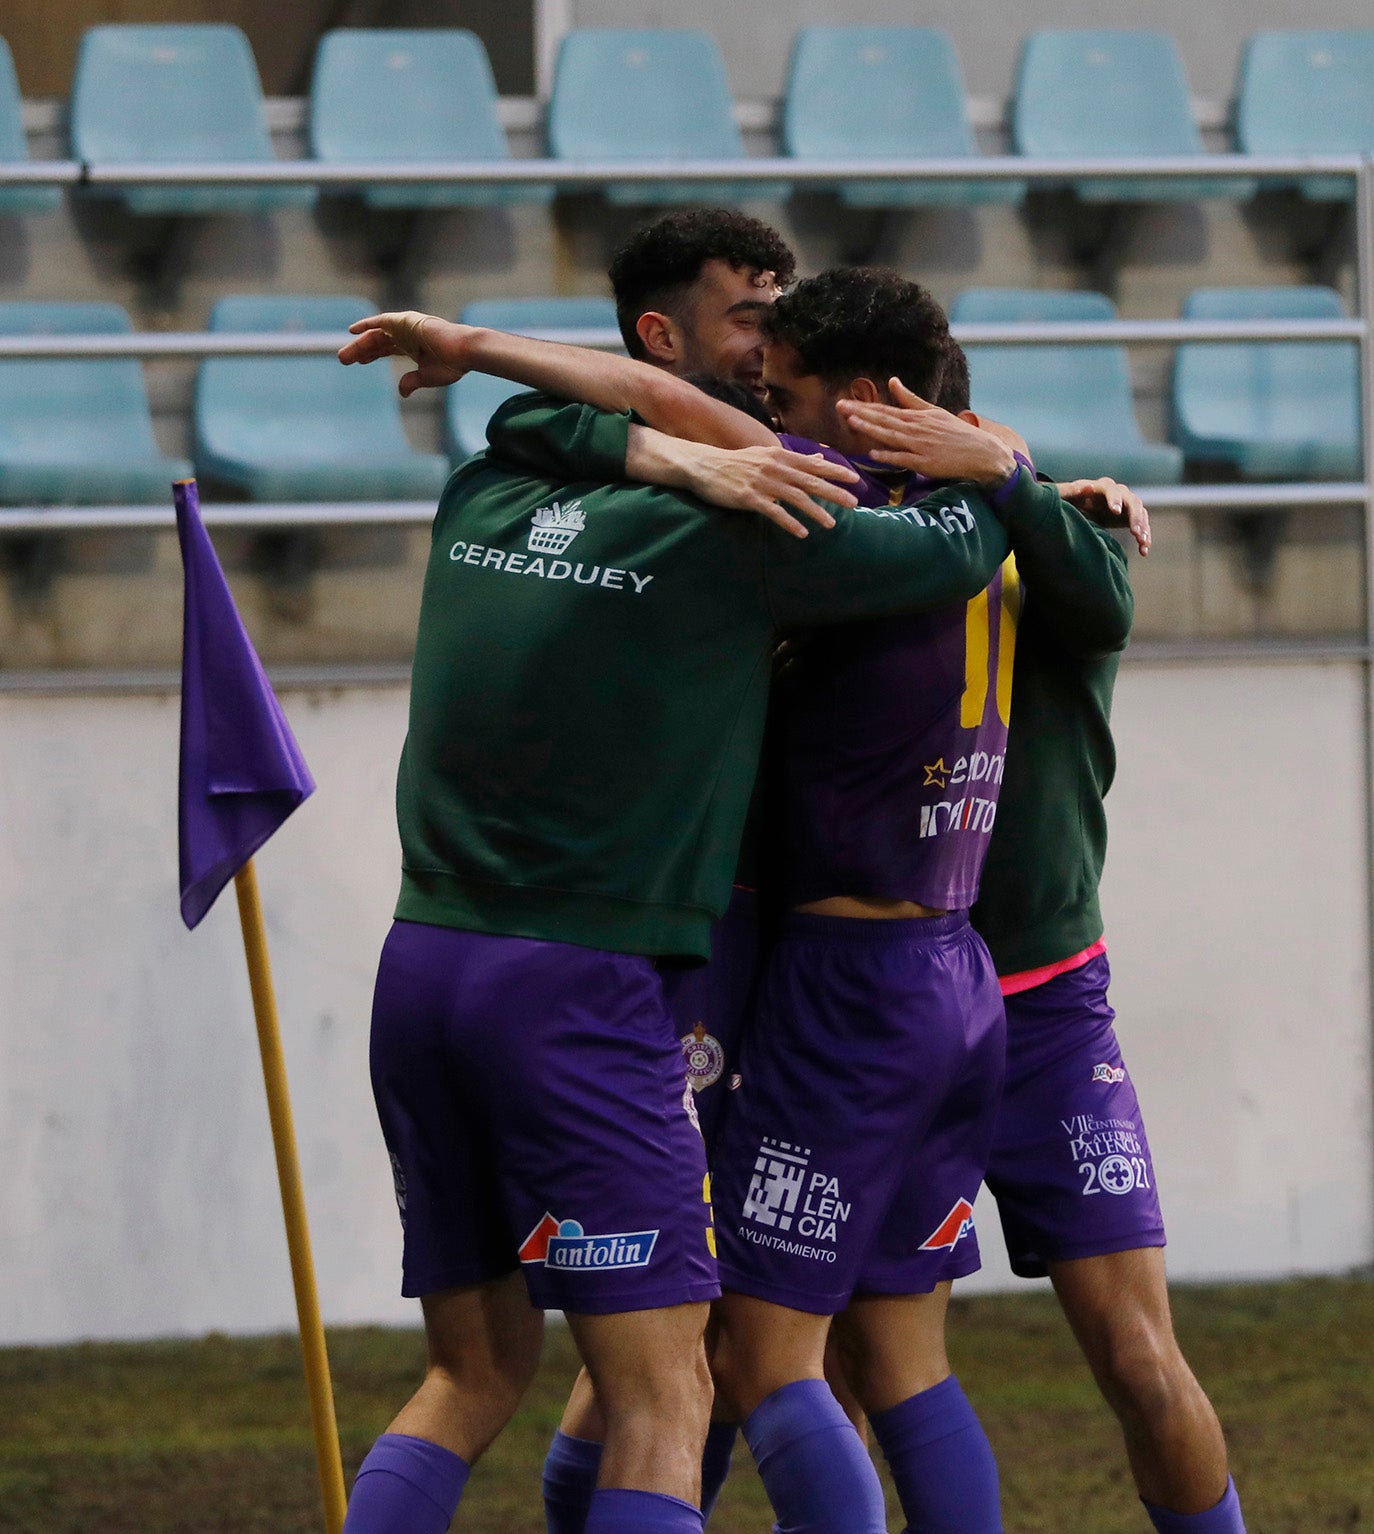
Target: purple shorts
(532, 1099)
(1070, 1166)
(852, 1151)
(710, 1003)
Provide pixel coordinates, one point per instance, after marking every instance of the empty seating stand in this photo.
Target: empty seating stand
(1072, 403)
(13, 147)
(648, 95)
(379, 95)
(175, 94)
(473, 400)
(1308, 93)
(78, 431)
(1107, 95)
(1269, 410)
(883, 93)
(304, 428)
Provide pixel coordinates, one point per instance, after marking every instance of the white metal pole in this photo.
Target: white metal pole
(553, 19)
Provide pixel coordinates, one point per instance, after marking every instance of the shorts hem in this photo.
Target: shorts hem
(628, 1300)
(416, 1287)
(782, 1294)
(1036, 1267)
(896, 1286)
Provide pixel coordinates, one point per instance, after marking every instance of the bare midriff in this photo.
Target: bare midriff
(867, 908)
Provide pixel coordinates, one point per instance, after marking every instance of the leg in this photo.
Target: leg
(940, 1458)
(484, 1342)
(769, 1362)
(1118, 1307)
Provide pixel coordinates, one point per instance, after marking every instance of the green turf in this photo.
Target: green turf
(167, 1437)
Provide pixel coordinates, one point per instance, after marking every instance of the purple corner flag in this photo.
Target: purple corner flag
(242, 772)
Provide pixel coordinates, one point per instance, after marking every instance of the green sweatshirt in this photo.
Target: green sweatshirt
(1038, 901)
(591, 671)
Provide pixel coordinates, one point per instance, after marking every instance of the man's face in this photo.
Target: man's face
(805, 405)
(720, 327)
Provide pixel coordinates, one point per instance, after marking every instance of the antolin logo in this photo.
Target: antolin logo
(563, 1244)
(957, 1224)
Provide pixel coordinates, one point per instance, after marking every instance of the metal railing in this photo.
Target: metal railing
(1250, 170)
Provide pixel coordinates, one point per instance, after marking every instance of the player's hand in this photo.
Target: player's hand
(920, 437)
(436, 346)
(1110, 504)
(768, 480)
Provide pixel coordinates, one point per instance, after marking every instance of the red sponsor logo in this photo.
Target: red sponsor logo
(952, 1229)
(536, 1245)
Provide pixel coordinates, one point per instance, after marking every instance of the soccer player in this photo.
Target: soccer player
(584, 730)
(1070, 1166)
(833, 328)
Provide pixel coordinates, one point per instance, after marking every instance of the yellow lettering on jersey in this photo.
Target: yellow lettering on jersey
(975, 697)
(1006, 636)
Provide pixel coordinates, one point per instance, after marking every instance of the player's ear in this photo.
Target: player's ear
(866, 391)
(659, 337)
(971, 417)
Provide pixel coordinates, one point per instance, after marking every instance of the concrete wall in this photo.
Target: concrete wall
(137, 1193)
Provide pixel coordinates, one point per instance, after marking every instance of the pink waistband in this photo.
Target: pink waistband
(1029, 978)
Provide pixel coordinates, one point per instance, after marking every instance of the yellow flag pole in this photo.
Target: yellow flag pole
(328, 1461)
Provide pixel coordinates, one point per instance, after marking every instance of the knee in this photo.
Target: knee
(1141, 1372)
(665, 1389)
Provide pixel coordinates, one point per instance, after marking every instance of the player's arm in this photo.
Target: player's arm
(888, 561)
(559, 440)
(1076, 571)
(443, 351)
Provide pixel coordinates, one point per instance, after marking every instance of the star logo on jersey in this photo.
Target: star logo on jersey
(937, 775)
(957, 1224)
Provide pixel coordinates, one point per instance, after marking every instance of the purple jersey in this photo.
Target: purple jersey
(894, 736)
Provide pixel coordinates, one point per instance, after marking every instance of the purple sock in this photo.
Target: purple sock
(942, 1462)
(1224, 1518)
(813, 1464)
(405, 1486)
(569, 1480)
(715, 1463)
(616, 1511)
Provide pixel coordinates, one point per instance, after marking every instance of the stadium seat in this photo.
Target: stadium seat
(473, 400)
(1106, 95)
(304, 428)
(1308, 93)
(647, 95)
(909, 82)
(78, 431)
(175, 94)
(13, 146)
(379, 95)
(1272, 410)
(1072, 404)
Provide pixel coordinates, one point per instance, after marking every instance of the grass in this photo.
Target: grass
(209, 1435)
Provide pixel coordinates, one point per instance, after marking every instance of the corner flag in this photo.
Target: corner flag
(242, 772)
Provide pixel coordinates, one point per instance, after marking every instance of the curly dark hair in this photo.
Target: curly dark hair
(953, 393)
(864, 321)
(656, 266)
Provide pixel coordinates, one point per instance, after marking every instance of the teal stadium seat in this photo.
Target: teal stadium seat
(379, 95)
(304, 428)
(1271, 410)
(473, 400)
(912, 92)
(1308, 93)
(1072, 404)
(175, 94)
(13, 146)
(1106, 94)
(77, 432)
(648, 95)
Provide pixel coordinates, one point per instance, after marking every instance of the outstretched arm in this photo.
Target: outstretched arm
(443, 351)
